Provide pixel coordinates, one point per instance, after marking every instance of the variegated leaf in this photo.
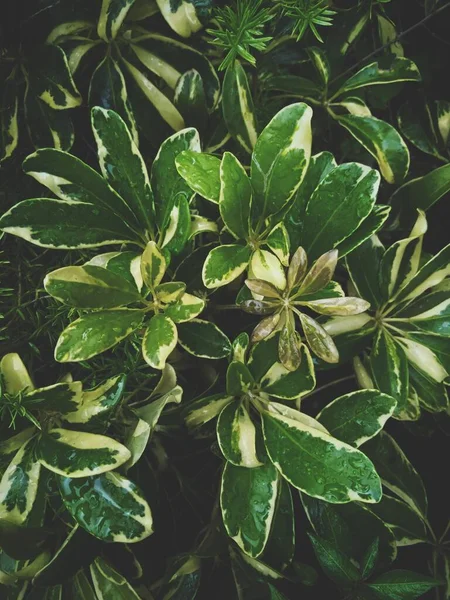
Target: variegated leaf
(159, 340)
(19, 485)
(96, 332)
(109, 506)
(109, 584)
(14, 374)
(280, 159)
(90, 287)
(153, 265)
(123, 166)
(248, 498)
(201, 172)
(112, 15)
(236, 434)
(358, 416)
(318, 464)
(79, 454)
(237, 107)
(224, 264)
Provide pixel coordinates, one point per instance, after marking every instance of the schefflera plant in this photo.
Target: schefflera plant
(268, 444)
(156, 83)
(98, 287)
(311, 289)
(406, 330)
(122, 206)
(289, 200)
(62, 434)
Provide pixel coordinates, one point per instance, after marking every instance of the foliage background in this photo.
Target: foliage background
(32, 320)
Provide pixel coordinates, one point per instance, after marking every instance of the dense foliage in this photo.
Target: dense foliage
(225, 299)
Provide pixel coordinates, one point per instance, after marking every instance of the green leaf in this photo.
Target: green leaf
(390, 369)
(182, 580)
(278, 242)
(266, 266)
(203, 339)
(370, 558)
(428, 353)
(374, 222)
(401, 69)
(159, 341)
(150, 413)
(239, 380)
(126, 264)
(123, 166)
(14, 375)
(72, 180)
(422, 192)
(167, 184)
(19, 485)
(237, 107)
(205, 409)
(61, 398)
(112, 15)
(184, 19)
(248, 498)
(96, 332)
(383, 142)
(404, 522)
(9, 127)
(90, 287)
(189, 98)
(50, 78)
(317, 463)
(351, 528)
(430, 312)
(236, 434)
(109, 506)
(179, 227)
(57, 224)
(108, 89)
(320, 342)
(224, 264)
(319, 167)
(153, 265)
(319, 59)
(400, 262)
(20, 542)
(183, 58)
(146, 101)
(79, 454)
(76, 551)
(185, 309)
(417, 124)
(336, 565)
(295, 86)
(338, 206)
(235, 196)
(280, 547)
(97, 403)
(278, 381)
(396, 472)
(428, 276)
(280, 159)
(82, 588)
(201, 172)
(109, 584)
(401, 585)
(358, 416)
(46, 126)
(363, 266)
